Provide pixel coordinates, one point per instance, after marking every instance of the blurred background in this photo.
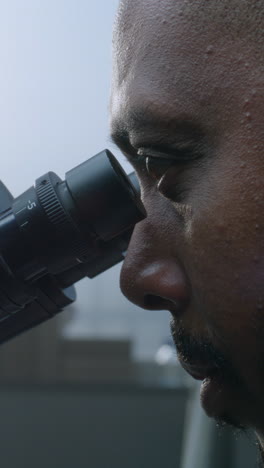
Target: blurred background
(98, 386)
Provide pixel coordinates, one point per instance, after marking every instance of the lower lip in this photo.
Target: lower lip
(214, 395)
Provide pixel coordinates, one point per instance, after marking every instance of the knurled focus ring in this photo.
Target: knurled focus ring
(58, 217)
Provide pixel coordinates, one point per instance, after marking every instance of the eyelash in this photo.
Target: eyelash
(168, 172)
(157, 166)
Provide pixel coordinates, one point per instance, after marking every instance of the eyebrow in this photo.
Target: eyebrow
(134, 121)
(141, 119)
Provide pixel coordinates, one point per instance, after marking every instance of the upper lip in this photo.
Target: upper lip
(198, 371)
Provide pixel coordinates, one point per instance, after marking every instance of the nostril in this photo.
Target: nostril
(151, 301)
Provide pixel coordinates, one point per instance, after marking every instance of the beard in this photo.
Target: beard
(201, 351)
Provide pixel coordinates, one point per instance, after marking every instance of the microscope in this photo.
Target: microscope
(58, 232)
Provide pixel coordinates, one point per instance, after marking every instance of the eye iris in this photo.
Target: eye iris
(156, 167)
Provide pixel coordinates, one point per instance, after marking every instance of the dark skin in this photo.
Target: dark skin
(195, 100)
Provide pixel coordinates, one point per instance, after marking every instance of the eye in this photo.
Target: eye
(157, 163)
(172, 174)
(157, 167)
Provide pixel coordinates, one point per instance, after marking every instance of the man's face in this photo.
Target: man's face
(192, 103)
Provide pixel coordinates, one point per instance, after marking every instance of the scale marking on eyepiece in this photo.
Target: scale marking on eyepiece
(31, 205)
(24, 224)
(20, 211)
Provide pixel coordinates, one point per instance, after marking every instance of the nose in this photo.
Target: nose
(151, 277)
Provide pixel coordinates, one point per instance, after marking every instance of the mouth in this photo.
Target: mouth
(220, 384)
(214, 392)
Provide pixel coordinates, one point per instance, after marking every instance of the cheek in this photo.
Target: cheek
(225, 236)
(226, 272)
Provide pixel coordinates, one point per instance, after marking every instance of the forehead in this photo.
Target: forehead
(167, 62)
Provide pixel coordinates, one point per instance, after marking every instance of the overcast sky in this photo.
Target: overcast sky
(55, 58)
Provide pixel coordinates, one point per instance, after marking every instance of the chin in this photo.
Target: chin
(228, 404)
(227, 420)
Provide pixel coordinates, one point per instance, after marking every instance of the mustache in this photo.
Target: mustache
(200, 351)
